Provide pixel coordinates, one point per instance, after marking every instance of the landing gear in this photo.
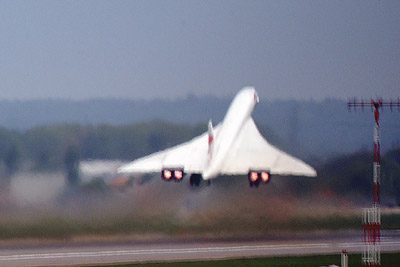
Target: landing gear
(195, 180)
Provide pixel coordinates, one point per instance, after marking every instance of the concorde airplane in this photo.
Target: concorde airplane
(233, 147)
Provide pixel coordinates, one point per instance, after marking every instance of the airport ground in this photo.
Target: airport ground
(181, 252)
(388, 260)
(163, 222)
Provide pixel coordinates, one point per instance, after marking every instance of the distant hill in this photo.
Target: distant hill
(309, 129)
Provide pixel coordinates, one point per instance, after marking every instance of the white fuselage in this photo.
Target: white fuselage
(239, 111)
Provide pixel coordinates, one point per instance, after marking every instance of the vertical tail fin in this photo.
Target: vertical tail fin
(210, 138)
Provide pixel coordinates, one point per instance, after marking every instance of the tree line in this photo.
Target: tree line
(48, 147)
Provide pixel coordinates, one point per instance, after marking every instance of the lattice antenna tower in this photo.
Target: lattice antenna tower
(371, 219)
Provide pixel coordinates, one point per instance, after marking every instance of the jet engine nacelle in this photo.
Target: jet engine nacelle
(258, 176)
(170, 174)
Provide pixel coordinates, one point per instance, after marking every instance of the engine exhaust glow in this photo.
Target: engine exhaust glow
(253, 176)
(178, 174)
(265, 177)
(167, 174)
(172, 174)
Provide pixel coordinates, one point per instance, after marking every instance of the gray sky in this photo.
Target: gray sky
(147, 49)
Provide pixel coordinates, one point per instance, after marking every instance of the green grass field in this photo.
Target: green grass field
(388, 260)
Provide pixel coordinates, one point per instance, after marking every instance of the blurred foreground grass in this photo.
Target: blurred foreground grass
(388, 260)
(65, 228)
(156, 209)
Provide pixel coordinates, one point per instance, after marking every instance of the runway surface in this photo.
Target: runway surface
(70, 255)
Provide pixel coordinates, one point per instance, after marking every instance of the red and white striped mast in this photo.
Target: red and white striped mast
(371, 221)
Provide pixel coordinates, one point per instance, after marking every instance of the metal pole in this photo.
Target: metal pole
(344, 259)
(371, 220)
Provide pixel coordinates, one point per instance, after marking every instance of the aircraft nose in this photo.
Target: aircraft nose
(251, 92)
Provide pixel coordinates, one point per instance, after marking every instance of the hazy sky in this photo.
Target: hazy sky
(147, 49)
